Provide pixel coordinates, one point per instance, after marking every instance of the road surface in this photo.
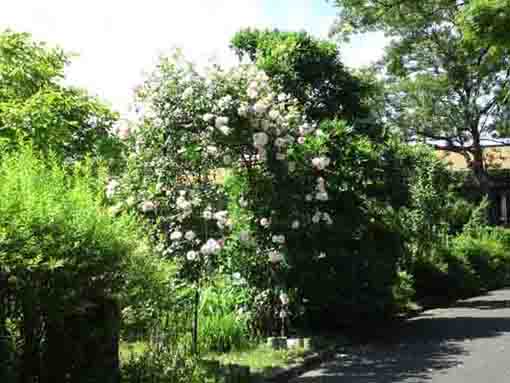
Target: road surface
(466, 343)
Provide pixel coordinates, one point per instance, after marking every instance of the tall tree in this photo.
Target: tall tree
(443, 87)
(311, 70)
(35, 105)
(487, 21)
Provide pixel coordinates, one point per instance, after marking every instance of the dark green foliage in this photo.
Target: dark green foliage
(311, 71)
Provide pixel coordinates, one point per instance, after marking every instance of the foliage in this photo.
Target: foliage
(163, 365)
(224, 323)
(35, 106)
(62, 253)
(442, 87)
(486, 21)
(311, 71)
(262, 357)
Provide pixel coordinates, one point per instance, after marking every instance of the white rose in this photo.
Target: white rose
(316, 217)
(207, 117)
(322, 196)
(308, 197)
(148, 206)
(295, 224)
(321, 163)
(284, 298)
(210, 247)
(260, 107)
(211, 149)
(260, 139)
(225, 130)
(243, 110)
(264, 222)
(252, 93)
(301, 140)
(190, 235)
(221, 121)
(327, 218)
(176, 235)
(274, 114)
(124, 132)
(275, 256)
(111, 188)
(191, 255)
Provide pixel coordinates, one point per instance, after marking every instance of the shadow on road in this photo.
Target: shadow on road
(419, 347)
(482, 304)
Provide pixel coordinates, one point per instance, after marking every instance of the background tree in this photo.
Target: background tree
(36, 106)
(444, 89)
(487, 22)
(310, 70)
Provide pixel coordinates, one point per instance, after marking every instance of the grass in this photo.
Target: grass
(261, 357)
(128, 350)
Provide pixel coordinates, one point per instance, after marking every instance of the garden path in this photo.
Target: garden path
(468, 342)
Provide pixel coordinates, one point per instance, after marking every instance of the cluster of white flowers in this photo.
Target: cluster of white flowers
(265, 222)
(191, 255)
(275, 122)
(320, 216)
(321, 163)
(184, 206)
(111, 188)
(148, 206)
(275, 256)
(222, 219)
(211, 247)
(322, 194)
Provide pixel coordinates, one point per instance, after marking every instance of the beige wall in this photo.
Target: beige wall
(497, 158)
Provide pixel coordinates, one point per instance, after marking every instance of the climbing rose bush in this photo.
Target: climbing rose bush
(231, 176)
(194, 127)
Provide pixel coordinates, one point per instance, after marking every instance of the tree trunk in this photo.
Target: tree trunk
(30, 359)
(483, 179)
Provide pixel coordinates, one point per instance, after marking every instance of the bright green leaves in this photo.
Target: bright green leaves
(35, 107)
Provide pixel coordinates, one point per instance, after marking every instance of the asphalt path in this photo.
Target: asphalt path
(468, 342)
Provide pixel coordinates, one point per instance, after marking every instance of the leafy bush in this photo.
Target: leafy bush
(487, 256)
(63, 254)
(444, 277)
(224, 319)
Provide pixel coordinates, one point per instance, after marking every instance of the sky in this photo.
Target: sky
(118, 40)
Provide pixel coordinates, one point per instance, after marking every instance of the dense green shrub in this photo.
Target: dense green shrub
(487, 256)
(63, 254)
(444, 277)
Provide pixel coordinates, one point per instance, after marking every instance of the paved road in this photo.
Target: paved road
(467, 343)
